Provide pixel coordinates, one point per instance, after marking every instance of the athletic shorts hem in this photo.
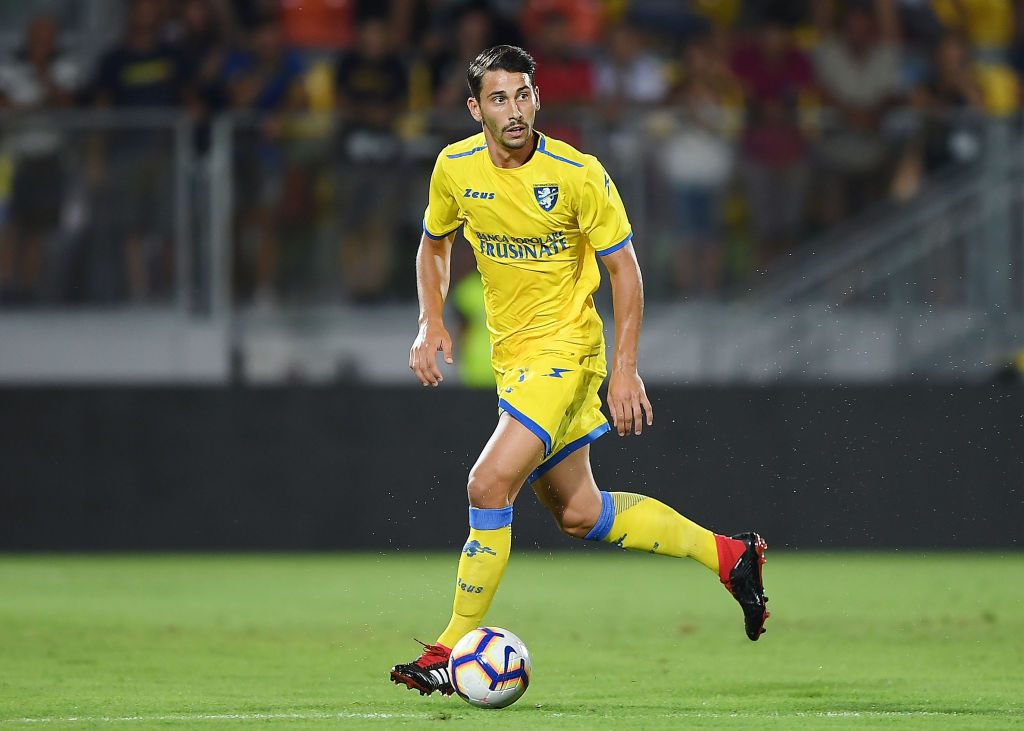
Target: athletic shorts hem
(528, 423)
(568, 449)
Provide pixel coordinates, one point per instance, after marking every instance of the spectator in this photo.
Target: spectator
(476, 27)
(1015, 53)
(472, 338)
(249, 14)
(795, 15)
(776, 76)
(372, 88)
(988, 26)
(135, 176)
(952, 89)
(628, 73)
(371, 80)
(770, 66)
(143, 70)
(200, 36)
(265, 76)
(582, 18)
(38, 78)
(678, 20)
(411, 21)
(565, 76)
(859, 72)
(202, 44)
(629, 81)
(947, 132)
(320, 25)
(698, 162)
(723, 13)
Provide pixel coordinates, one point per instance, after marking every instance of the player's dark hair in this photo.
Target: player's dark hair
(498, 58)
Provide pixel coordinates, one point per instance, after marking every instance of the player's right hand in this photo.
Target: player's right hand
(431, 339)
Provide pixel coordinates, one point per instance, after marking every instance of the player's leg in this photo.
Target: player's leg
(640, 523)
(510, 455)
(628, 520)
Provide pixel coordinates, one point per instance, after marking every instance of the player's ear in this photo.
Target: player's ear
(474, 109)
(536, 96)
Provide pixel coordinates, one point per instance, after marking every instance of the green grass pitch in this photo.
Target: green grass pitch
(618, 641)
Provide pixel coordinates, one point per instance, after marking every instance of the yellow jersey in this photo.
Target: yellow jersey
(535, 230)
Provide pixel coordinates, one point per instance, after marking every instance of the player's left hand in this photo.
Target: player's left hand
(626, 397)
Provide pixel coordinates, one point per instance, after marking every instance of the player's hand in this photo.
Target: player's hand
(627, 402)
(431, 339)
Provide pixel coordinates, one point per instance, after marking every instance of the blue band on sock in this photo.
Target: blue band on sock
(490, 519)
(603, 526)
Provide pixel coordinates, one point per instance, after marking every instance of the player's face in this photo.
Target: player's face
(508, 104)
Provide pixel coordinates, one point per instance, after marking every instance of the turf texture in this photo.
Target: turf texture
(618, 641)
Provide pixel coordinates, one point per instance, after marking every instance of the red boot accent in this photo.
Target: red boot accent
(729, 552)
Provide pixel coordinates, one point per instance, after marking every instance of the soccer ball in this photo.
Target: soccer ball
(490, 667)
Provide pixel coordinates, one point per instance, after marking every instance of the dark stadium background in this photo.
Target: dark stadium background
(209, 209)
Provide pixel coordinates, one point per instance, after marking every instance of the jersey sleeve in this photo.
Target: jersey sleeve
(602, 216)
(443, 215)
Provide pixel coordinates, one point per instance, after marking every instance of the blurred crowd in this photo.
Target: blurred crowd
(755, 124)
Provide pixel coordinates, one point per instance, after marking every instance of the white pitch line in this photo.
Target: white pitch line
(312, 716)
(216, 717)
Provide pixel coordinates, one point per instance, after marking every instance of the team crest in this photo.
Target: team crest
(546, 195)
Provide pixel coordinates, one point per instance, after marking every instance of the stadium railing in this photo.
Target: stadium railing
(290, 229)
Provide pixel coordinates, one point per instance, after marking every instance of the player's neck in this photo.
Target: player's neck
(503, 157)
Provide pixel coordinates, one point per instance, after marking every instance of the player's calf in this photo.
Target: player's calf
(575, 522)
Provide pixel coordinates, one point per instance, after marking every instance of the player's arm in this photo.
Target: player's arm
(626, 394)
(433, 275)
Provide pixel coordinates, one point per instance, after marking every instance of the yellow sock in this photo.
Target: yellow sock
(641, 523)
(481, 567)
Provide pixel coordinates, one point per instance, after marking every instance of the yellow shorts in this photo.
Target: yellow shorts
(555, 395)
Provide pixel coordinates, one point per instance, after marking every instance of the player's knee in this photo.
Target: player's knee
(576, 523)
(487, 488)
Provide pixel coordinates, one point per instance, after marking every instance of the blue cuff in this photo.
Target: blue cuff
(611, 249)
(493, 518)
(603, 526)
(442, 236)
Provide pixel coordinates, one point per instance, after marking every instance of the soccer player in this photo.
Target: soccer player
(538, 215)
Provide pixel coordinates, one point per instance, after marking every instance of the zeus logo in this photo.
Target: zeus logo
(470, 193)
(468, 588)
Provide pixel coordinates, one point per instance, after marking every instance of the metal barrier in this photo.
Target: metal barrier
(917, 251)
(99, 209)
(284, 225)
(111, 261)
(946, 269)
